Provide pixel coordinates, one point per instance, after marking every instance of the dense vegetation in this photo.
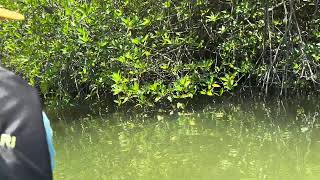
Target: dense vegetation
(158, 51)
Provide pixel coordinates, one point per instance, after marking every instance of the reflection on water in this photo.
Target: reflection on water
(227, 142)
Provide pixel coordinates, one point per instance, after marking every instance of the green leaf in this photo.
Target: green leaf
(180, 105)
(147, 53)
(116, 77)
(167, 4)
(203, 92)
(224, 79)
(44, 86)
(116, 89)
(136, 41)
(135, 88)
(157, 98)
(212, 17)
(164, 66)
(146, 22)
(128, 55)
(84, 70)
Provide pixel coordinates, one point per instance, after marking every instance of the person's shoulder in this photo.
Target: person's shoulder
(10, 78)
(15, 86)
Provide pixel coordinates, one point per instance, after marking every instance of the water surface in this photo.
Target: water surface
(243, 141)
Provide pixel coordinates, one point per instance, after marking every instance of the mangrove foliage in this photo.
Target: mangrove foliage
(147, 52)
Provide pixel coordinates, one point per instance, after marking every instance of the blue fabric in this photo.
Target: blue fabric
(49, 134)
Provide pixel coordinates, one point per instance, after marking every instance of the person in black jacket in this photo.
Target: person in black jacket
(24, 140)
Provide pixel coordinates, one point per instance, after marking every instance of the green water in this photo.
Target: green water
(221, 142)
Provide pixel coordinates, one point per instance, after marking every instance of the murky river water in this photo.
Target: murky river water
(248, 141)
